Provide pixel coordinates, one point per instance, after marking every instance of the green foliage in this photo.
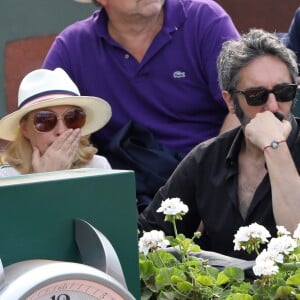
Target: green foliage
(176, 273)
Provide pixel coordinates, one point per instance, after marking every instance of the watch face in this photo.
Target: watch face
(74, 289)
(274, 145)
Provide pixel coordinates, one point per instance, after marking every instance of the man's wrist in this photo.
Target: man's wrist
(274, 145)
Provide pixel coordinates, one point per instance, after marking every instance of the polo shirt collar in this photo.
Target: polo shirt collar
(175, 15)
(100, 20)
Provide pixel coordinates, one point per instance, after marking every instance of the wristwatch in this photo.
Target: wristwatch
(60, 280)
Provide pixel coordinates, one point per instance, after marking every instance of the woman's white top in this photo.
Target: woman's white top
(96, 162)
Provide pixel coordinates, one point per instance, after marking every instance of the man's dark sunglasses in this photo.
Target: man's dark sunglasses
(259, 96)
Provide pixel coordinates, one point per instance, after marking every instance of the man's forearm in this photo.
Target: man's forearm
(285, 184)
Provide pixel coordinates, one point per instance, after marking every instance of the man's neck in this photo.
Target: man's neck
(135, 34)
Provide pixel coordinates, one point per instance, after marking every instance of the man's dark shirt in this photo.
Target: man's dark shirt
(207, 181)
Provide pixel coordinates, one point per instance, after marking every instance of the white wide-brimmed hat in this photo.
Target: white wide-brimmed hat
(45, 88)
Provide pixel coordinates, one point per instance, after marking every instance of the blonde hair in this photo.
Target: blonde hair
(18, 154)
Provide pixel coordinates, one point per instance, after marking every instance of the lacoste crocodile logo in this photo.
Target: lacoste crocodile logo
(179, 74)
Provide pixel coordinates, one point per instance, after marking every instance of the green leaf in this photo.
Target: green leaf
(212, 271)
(180, 237)
(235, 273)
(149, 285)
(147, 269)
(166, 276)
(192, 262)
(161, 258)
(297, 250)
(222, 278)
(163, 278)
(194, 248)
(172, 240)
(175, 279)
(294, 280)
(166, 296)
(146, 294)
(244, 288)
(283, 292)
(239, 296)
(184, 286)
(205, 280)
(186, 244)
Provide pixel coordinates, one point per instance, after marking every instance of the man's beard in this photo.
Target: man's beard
(244, 120)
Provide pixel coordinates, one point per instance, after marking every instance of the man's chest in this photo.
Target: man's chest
(249, 178)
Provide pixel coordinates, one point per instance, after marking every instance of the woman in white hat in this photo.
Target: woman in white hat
(50, 130)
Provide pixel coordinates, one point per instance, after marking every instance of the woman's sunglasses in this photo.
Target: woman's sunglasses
(259, 96)
(46, 120)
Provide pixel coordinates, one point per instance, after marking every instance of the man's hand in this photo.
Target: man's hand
(59, 155)
(266, 127)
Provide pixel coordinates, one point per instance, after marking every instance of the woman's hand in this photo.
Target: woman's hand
(59, 155)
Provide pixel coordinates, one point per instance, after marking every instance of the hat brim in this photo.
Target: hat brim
(98, 113)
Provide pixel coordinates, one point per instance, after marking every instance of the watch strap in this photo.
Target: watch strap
(273, 145)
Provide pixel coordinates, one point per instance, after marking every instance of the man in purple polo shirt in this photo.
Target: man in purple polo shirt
(155, 63)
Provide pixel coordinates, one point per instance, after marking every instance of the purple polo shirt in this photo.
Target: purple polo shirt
(174, 91)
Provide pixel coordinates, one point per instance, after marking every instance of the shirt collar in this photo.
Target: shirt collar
(100, 20)
(175, 15)
(234, 150)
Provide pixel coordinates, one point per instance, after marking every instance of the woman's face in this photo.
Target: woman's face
(42, 140)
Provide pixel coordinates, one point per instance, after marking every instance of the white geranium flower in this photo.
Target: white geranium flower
(173, 206)
(259, 232)
(276, 256)
(265, 265)
(152, 240)
(281, 230)
(254, 232)
(242, 236)
(296, 234)
(283, 244)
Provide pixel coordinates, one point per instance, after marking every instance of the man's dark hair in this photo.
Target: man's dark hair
(236, 54)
